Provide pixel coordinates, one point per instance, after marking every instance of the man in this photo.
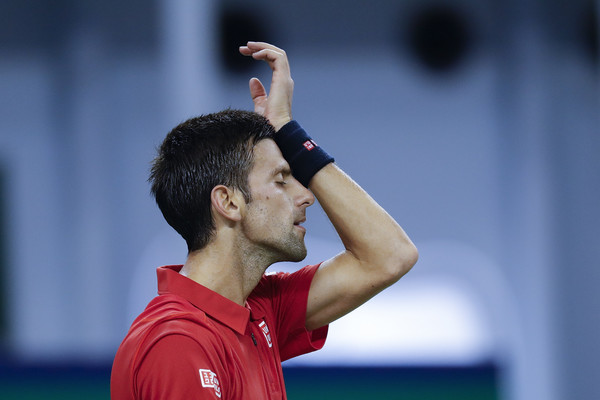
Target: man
(236, 186)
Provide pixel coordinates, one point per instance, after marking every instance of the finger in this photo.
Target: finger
(257, 89)
(259, 96)
(253, 47)
(273, 55)
(268, 55)
(263, 51)
(257, 46)
(245, 50)
(277, 61)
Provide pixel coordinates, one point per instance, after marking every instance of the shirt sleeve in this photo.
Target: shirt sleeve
(289, 294)
(177, 367)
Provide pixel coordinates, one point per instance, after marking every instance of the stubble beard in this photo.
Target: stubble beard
(294, 249)
(288, 246)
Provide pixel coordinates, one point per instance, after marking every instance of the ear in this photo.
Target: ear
(226, 202)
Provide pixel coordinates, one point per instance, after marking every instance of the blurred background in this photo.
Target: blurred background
(476, 124)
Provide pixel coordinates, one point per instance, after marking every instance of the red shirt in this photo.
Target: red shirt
(192, 343)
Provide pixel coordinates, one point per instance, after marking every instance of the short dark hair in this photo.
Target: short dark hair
(197, 155)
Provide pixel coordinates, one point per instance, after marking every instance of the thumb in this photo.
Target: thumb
(257, 90)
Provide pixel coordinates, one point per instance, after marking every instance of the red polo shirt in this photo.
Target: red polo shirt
(192, 343)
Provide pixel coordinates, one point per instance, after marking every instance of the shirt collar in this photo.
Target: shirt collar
(218, 307)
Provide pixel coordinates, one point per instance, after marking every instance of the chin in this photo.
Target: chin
(298, 257)
(291, 249)
(294, 253)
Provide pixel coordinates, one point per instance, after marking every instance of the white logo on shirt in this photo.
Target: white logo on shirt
(209, 380)
(265, 330)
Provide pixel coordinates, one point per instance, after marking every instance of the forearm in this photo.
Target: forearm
(378, 252)
(367, 231)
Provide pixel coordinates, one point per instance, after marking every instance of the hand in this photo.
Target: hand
(277, 105)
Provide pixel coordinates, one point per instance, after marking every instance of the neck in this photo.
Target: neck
(227, 268)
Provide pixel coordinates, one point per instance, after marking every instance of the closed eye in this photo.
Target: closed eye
(281, 178)
(281, 174)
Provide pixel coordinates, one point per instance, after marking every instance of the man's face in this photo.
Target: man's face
(272, 219)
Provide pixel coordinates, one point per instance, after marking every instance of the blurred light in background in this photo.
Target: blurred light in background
(420, 323)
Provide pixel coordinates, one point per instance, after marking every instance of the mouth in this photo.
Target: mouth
(300, 221)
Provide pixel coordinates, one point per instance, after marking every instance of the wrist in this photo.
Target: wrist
(304, 155)
(279, 123)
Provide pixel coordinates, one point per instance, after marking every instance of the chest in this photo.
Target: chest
(255, 364)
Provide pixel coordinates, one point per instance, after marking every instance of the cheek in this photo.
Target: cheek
(258, 215)
(269, 209)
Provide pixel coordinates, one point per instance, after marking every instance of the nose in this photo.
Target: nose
(304, 196)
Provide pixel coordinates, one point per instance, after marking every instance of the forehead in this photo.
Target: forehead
(268, 158)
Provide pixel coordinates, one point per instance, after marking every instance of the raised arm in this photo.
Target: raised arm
(377, 251)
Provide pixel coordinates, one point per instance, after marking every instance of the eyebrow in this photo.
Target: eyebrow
(283, 169)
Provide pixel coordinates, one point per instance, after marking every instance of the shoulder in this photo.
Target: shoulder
(169, 315)
(277, 292)
(273, 282)
(169, 309)
(179, 366)
(174, 347)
